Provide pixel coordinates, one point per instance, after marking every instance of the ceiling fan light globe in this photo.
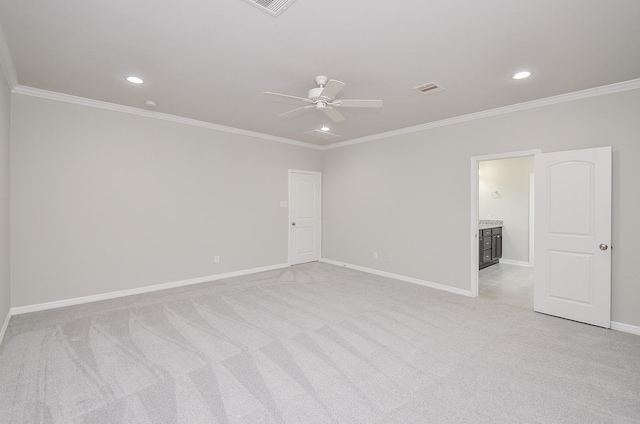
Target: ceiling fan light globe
(314, 93)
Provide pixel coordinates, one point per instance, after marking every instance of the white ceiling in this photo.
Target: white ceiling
(211, 60)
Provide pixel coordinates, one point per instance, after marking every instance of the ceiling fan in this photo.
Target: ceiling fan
(323, 98)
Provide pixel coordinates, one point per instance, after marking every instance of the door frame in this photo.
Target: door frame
(475, 201)
(532, 203)
(289, 211)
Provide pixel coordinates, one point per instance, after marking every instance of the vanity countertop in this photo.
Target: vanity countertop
(483, 224)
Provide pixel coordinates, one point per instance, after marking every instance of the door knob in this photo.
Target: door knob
(603, 246)
(293, 223)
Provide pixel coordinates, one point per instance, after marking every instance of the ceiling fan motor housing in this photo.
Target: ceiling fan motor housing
(321, 81)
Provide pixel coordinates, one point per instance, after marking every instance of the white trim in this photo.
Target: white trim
(412, 280)
(532, 201)
(576, 95)
(618, 326)
(473, 225)
(6, 63)
(51, 95)
(508, 155)
(304, 171)
(516, 263)
(111, 295)
(626, 328)
(4, 326)
(475, 201)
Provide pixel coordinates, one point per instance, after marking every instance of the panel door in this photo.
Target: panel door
(305, 208)
(572, 276)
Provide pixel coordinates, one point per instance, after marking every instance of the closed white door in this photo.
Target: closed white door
(305, 192)
(573, 235)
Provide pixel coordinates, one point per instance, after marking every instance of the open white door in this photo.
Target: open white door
(305, 194)
(572, 277)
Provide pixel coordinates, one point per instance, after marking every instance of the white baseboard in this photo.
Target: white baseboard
(140, 290)
(516, 263)
(5, 325)
(425, 283)
(618, 326)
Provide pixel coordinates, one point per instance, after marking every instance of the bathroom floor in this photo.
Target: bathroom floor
(510, 284)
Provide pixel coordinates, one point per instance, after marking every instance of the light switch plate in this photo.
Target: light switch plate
(284, 204)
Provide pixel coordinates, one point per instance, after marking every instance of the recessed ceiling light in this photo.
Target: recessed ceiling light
(325, 128)
(135, 80)
(521, 75)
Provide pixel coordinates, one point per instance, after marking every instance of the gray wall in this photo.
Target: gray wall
(5, 294)
(510, 178)
(409, 195)
(106, 201)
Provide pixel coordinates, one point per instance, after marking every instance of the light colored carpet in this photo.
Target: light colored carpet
(314, 343)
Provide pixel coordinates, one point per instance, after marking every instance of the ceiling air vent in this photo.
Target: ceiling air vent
(272, 7)
(429, 88)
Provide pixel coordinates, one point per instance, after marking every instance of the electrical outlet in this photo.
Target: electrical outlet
(389, 258)
(216, 259)
(375, 255)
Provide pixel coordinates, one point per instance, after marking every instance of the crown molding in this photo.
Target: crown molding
(82, 101)
(562, 98)
(6, 63)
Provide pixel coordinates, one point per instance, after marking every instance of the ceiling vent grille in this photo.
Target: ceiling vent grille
(272, 7)
(429, 88)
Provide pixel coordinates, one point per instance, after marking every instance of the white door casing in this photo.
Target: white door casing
(305, 197)
(572, 275)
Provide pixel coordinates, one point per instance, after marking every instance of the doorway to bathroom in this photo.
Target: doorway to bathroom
(505, 204)
(572, 220)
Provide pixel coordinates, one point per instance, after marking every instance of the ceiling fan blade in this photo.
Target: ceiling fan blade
(286, 95)
(332, 88)
(357, 103)
(295, 112)
(334, 115)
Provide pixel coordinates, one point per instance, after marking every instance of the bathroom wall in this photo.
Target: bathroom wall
(504, 194)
